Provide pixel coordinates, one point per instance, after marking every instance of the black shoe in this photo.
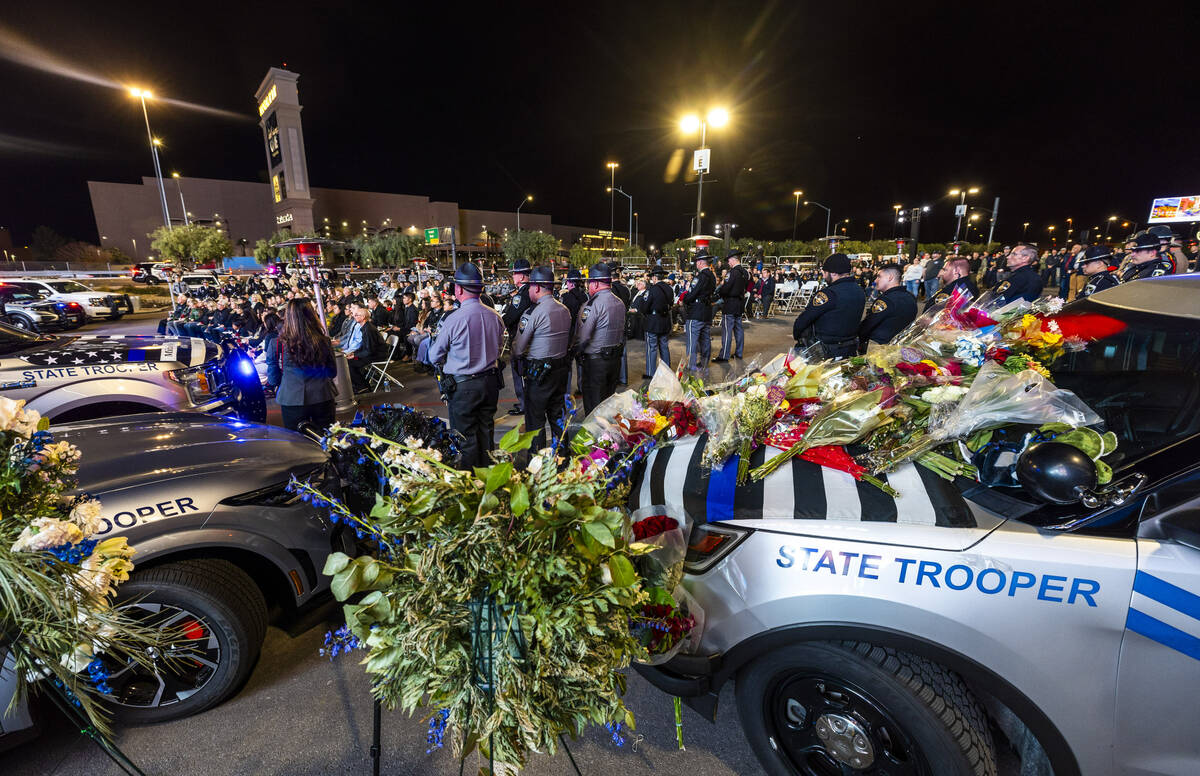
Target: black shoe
(516, 411)
(720, 361)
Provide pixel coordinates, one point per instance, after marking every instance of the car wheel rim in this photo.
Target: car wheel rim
(187, 662)
(824, 726)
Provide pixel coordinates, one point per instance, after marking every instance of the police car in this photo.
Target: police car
(97, 304)
(80, 377)
(24, 310)
(220, 543)
(930, 633)
(152, 272)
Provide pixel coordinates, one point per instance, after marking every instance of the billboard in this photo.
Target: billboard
(1167, 210)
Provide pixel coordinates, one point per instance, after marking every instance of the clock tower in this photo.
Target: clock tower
(279, 116)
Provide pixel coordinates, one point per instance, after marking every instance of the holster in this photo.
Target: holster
(447, 385)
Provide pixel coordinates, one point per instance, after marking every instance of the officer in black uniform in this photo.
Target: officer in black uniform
(894, 309)
(601, 335)
(955, 274)
(834, 312)
(1145, 260)
(574, 296)
(1023, 281)
(732, 292)
(1166, 237)
(543, 336)
(697, 304)
(517, 305)
(1093, 264)
(659, 300)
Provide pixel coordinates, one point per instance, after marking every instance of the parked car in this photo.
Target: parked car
(920, 634)
(223, 549)
(152, 272)
(81, 377)
(23, 310)
(96, 304)
(196, 280)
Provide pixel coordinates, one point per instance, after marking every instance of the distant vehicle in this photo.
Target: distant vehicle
(153, 272)
(96, 304)
(31, 312)
(196, 280)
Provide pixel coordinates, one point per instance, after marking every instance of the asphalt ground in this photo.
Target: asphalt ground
(301, 714)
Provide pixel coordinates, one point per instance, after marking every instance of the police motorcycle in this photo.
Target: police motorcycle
(1032, 614)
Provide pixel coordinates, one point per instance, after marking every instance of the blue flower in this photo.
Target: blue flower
(437, 730)
(615, 729)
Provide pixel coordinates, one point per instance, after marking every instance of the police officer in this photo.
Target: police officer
(543, 336)
(955, 275)
(834, 312)
(623, 293)
(732, 292)
(659, 298)
(1166, 239)
(1093, 265)
(1145, 261)
(1023, 281)
(894, 309)
(697, 303)
(465, 352)
(573, 296)
(518, 304)
(600, 337)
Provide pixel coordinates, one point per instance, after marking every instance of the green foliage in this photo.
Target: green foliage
(266, 253)
(581, 257)
(192, 242)
(45, 243)
(537, 247)
(542, 543)
(388, 249)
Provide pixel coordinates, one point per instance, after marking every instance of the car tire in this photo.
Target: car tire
(212, 593)
(22, 323)
(917, 716)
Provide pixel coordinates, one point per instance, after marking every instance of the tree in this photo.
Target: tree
(44, 243)
(582, 257)
(80, 252)
(202, 244)
(388, 249)
(537, 247)
(265, 251)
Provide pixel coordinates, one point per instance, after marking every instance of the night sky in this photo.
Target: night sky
(1059, 109)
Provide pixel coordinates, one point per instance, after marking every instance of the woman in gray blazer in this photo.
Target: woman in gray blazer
(301, 368)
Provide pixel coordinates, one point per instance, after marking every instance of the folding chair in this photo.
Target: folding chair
(393, 341)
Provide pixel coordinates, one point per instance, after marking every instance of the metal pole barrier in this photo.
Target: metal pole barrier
(995, 215)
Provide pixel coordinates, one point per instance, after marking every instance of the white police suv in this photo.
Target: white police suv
(927, 634)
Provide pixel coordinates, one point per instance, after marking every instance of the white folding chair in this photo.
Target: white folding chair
(393, 341)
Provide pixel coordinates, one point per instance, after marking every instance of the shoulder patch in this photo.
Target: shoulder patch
(879, 306)
(819, 299)
(524, 320)
(583, 314)
(1000, 289)
(1157, 272)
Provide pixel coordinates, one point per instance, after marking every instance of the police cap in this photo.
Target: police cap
(520, 265)
(542, 276)
(1161, 231)
(702, 255)
(574, 275)
(1095, 253)
(601, 271)
(837, 263)
(1145, 242)
(733, 255)
(468, 276)
(655, 272)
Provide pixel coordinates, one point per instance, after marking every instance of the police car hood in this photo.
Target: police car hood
(235, 456)
(805, 499)
(93, 349)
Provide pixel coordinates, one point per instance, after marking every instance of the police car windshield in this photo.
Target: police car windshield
(1141, 374)
(15, 340)
(68, 287)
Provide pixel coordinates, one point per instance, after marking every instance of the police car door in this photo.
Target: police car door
(1158, 683)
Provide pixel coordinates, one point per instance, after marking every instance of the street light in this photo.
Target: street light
(827, 214)
(179, 186)
(896, 219)
(611, 189)
(962, 206)
(635, 227)
(143, 95)
(528, 198)
(718, 117)
(872, 231)
(612, 200)
(795, 211)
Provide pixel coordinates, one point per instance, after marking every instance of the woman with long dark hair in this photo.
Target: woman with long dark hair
(300, 366)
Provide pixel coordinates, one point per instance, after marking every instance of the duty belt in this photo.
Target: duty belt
(477, 375)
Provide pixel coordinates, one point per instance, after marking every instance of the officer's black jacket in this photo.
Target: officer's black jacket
(513, 313)
(1024, 283)
(1163, 265)
(1098, 282)
(889, 314)
(658, 308)
(945, 292)
(698, 300)
(833, 312)
(733, 290)
(379, 317)
(574, 299)
(622, 292)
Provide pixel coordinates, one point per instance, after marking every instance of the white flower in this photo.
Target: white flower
(79, 659)
(46, 532)
(535, 465)
(86, 515)
(14, 417)
(414, 441)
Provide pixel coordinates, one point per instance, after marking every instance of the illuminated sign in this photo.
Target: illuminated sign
(272, 127)
(285, 218)
(700, 159)
(266, 101)
(1167, 210)
(278, 186)
(431, 236)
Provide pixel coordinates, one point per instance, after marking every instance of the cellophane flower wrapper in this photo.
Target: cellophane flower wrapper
(663, 567)
(687, 607)
(718, 414)
(614, 424)
(998, 397)
(665, 386)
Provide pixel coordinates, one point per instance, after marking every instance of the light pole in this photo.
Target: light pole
(635, 228)
(611, 189)
(846, 226)
(896, 219)
(961, 210)
(179, 186)
(135, 253)
(1107, 224)
(528, 198)
(718, 117)
(1024, 228)
(143, 94)
(795, 211)
(872, 232)
(827, 214)
(612, 199)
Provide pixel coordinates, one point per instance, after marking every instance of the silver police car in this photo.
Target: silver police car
(960, 624)
(80, 377)
(220, 543)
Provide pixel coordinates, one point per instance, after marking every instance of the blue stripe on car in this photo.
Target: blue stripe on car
(1167, 594)
(1168, 636)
